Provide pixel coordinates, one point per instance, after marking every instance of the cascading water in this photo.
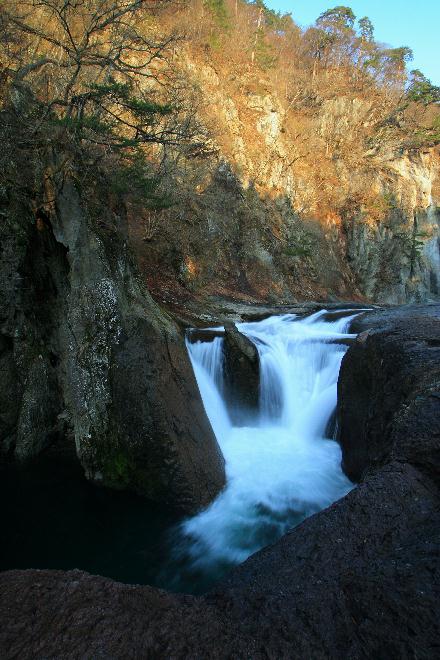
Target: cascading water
(284, 467)
(280, 468)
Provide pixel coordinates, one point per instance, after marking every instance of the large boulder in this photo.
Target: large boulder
(241, 374)
(89, 360)
(386, 318)
(389, 389)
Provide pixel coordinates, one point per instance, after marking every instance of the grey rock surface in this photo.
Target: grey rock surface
(389, 389)
(88, 358)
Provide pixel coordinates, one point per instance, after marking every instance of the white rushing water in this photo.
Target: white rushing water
(283, 467)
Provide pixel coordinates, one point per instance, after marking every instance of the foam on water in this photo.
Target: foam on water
(282, 467)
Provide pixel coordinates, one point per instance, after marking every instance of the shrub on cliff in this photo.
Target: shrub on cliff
(95, 76)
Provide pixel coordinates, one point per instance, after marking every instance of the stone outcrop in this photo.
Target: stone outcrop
(397, 260)
(389, 394)
(358, 580)
(300, 203)
(241, 365)
(91, 364)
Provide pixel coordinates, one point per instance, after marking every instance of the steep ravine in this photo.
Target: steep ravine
(220, 189)
(96, 373)
(296, 202)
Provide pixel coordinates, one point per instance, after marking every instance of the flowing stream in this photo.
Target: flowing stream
(285, 465)
(281, 468)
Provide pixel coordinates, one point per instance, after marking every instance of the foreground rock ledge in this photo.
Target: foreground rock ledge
(358, 580)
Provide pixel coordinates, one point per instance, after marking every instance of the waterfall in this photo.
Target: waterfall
(285, 465)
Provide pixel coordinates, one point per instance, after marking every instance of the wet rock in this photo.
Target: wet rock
(389, 390)
(241, 374)
(386, 318)
(205, 312)
(202, 334)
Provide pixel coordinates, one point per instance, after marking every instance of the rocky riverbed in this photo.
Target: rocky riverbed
(360, 579)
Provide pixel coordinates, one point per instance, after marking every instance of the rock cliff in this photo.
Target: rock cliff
(90, 364)
(298, 200)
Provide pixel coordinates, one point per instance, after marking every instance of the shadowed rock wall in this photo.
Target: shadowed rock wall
(389, 390)
(91, 364)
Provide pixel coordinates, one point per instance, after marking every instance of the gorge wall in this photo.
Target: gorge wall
(309, 197)
(232, 174)
(91, 368)
(310, 184)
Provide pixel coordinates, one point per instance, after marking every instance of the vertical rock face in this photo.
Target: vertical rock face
(397, 259)
(388, 391)
(305, 200)
(33, 285)
(88, 358)
(241, 374)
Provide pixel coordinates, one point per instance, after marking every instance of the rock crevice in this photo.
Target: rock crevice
(89, 358)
